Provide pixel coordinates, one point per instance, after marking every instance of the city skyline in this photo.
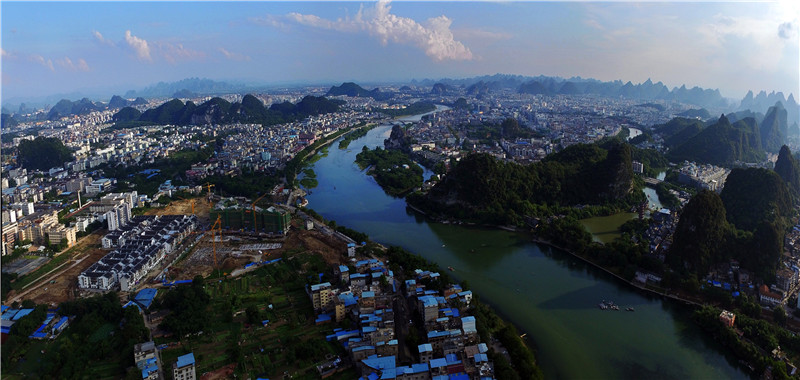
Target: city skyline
(51, 48)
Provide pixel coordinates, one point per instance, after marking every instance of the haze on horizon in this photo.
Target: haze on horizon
(105, 47)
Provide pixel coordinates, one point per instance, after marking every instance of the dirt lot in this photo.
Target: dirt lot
(63, 289)
(230, 255)
(184, 207)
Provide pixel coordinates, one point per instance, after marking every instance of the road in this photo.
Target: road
(47, 280)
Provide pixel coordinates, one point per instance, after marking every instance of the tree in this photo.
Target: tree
(779, 315)
(253, 315)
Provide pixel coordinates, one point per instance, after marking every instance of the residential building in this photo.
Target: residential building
(183, 368)
(321, 296)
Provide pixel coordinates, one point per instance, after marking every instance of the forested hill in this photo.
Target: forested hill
(353, 90)
(218, 110)
(746, 222)
(722, 143)
(487, 190)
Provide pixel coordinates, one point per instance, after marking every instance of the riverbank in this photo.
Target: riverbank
(549, 294)
(635, 284)
(548, 243)
(295, 164)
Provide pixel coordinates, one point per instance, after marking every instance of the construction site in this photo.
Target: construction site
(234, 248)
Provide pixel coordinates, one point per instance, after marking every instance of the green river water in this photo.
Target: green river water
(549, 294)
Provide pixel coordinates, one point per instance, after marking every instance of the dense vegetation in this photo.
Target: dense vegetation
(188, 305)
(652, 160)
(357, 134)
(412, 109)
(394, 171)
(699, 235)
(97, 344)
(757, 340)
(42, 153)
(788, 168)
(755, 195)
(678, 130)
(218, 111)
(486, 190)
(721, 144)
(172, 168)
(747, 223)
(667, 198)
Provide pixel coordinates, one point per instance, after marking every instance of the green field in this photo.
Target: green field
(290, 342)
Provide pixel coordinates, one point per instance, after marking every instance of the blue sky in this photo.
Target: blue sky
(99, 47)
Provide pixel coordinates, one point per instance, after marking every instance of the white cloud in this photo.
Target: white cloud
(234, 56)
(434, 37)
(173, 53)
(728, 32)
(48, 63)
(99, 37)
(82, 65)
(139, 46)
(268, 20)
(67, 63)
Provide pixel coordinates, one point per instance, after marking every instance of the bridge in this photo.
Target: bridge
(651, 181)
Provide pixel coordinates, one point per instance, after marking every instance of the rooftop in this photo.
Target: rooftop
(185, 360)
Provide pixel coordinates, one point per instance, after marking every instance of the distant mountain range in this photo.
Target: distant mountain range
(187, 88)
(477, 86)
(763, 101)
(218, 111)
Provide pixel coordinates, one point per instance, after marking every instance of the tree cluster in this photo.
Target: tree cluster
(747, 222)
(42, 153)
(188, 305)
(485, 189)
(394, 171)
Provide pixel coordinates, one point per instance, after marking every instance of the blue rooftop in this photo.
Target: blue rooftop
(145, 297)
(379, 363)
(419, 367)
(438, 363)
(21, 314)
(426, 347)
(186, 360)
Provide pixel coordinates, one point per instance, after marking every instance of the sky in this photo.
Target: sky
(110, 47)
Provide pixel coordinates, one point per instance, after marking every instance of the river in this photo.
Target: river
(549, 294)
